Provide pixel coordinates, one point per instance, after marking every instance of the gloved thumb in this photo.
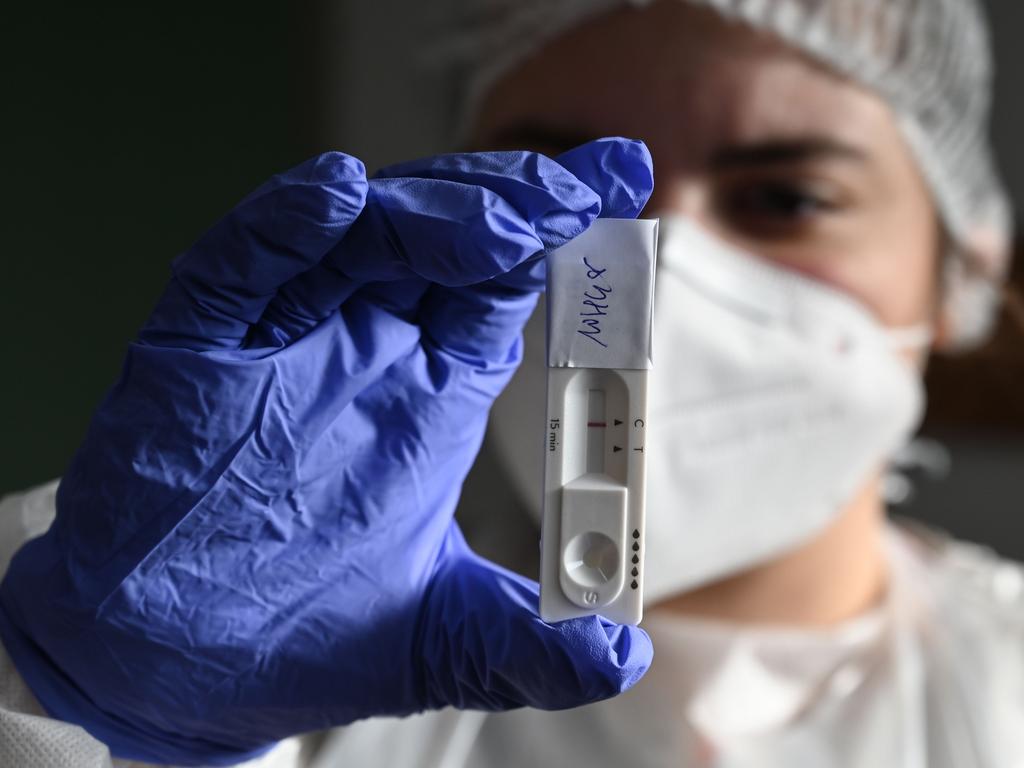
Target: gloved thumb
(486, 647)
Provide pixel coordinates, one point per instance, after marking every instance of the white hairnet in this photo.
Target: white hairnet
(929, 59)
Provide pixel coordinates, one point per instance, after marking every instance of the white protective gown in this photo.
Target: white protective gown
(933, 677)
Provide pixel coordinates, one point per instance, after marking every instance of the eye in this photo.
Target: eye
(783, 199)
(774, 206)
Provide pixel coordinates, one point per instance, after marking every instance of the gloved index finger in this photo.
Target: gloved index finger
(620, 171)
(557, 205)
(222, 284)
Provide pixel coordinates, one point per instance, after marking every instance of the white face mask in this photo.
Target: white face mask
(773, 400)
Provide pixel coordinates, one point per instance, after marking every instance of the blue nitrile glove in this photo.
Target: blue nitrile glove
(256, 536)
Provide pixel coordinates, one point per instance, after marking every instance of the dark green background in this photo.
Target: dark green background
(129, 129)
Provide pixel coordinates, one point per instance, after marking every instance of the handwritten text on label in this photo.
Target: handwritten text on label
(595, 303)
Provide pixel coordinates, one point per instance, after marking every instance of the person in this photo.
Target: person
(256, 537)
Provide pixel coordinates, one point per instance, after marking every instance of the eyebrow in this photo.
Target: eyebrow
(770, 153)
(529, 135)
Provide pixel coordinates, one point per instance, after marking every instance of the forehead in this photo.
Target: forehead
(673, 72)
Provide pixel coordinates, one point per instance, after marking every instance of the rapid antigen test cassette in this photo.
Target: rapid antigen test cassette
(600, 298)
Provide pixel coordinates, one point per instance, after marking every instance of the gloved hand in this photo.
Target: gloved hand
(256, 537)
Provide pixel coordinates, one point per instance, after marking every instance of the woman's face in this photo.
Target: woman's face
(762, 145)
